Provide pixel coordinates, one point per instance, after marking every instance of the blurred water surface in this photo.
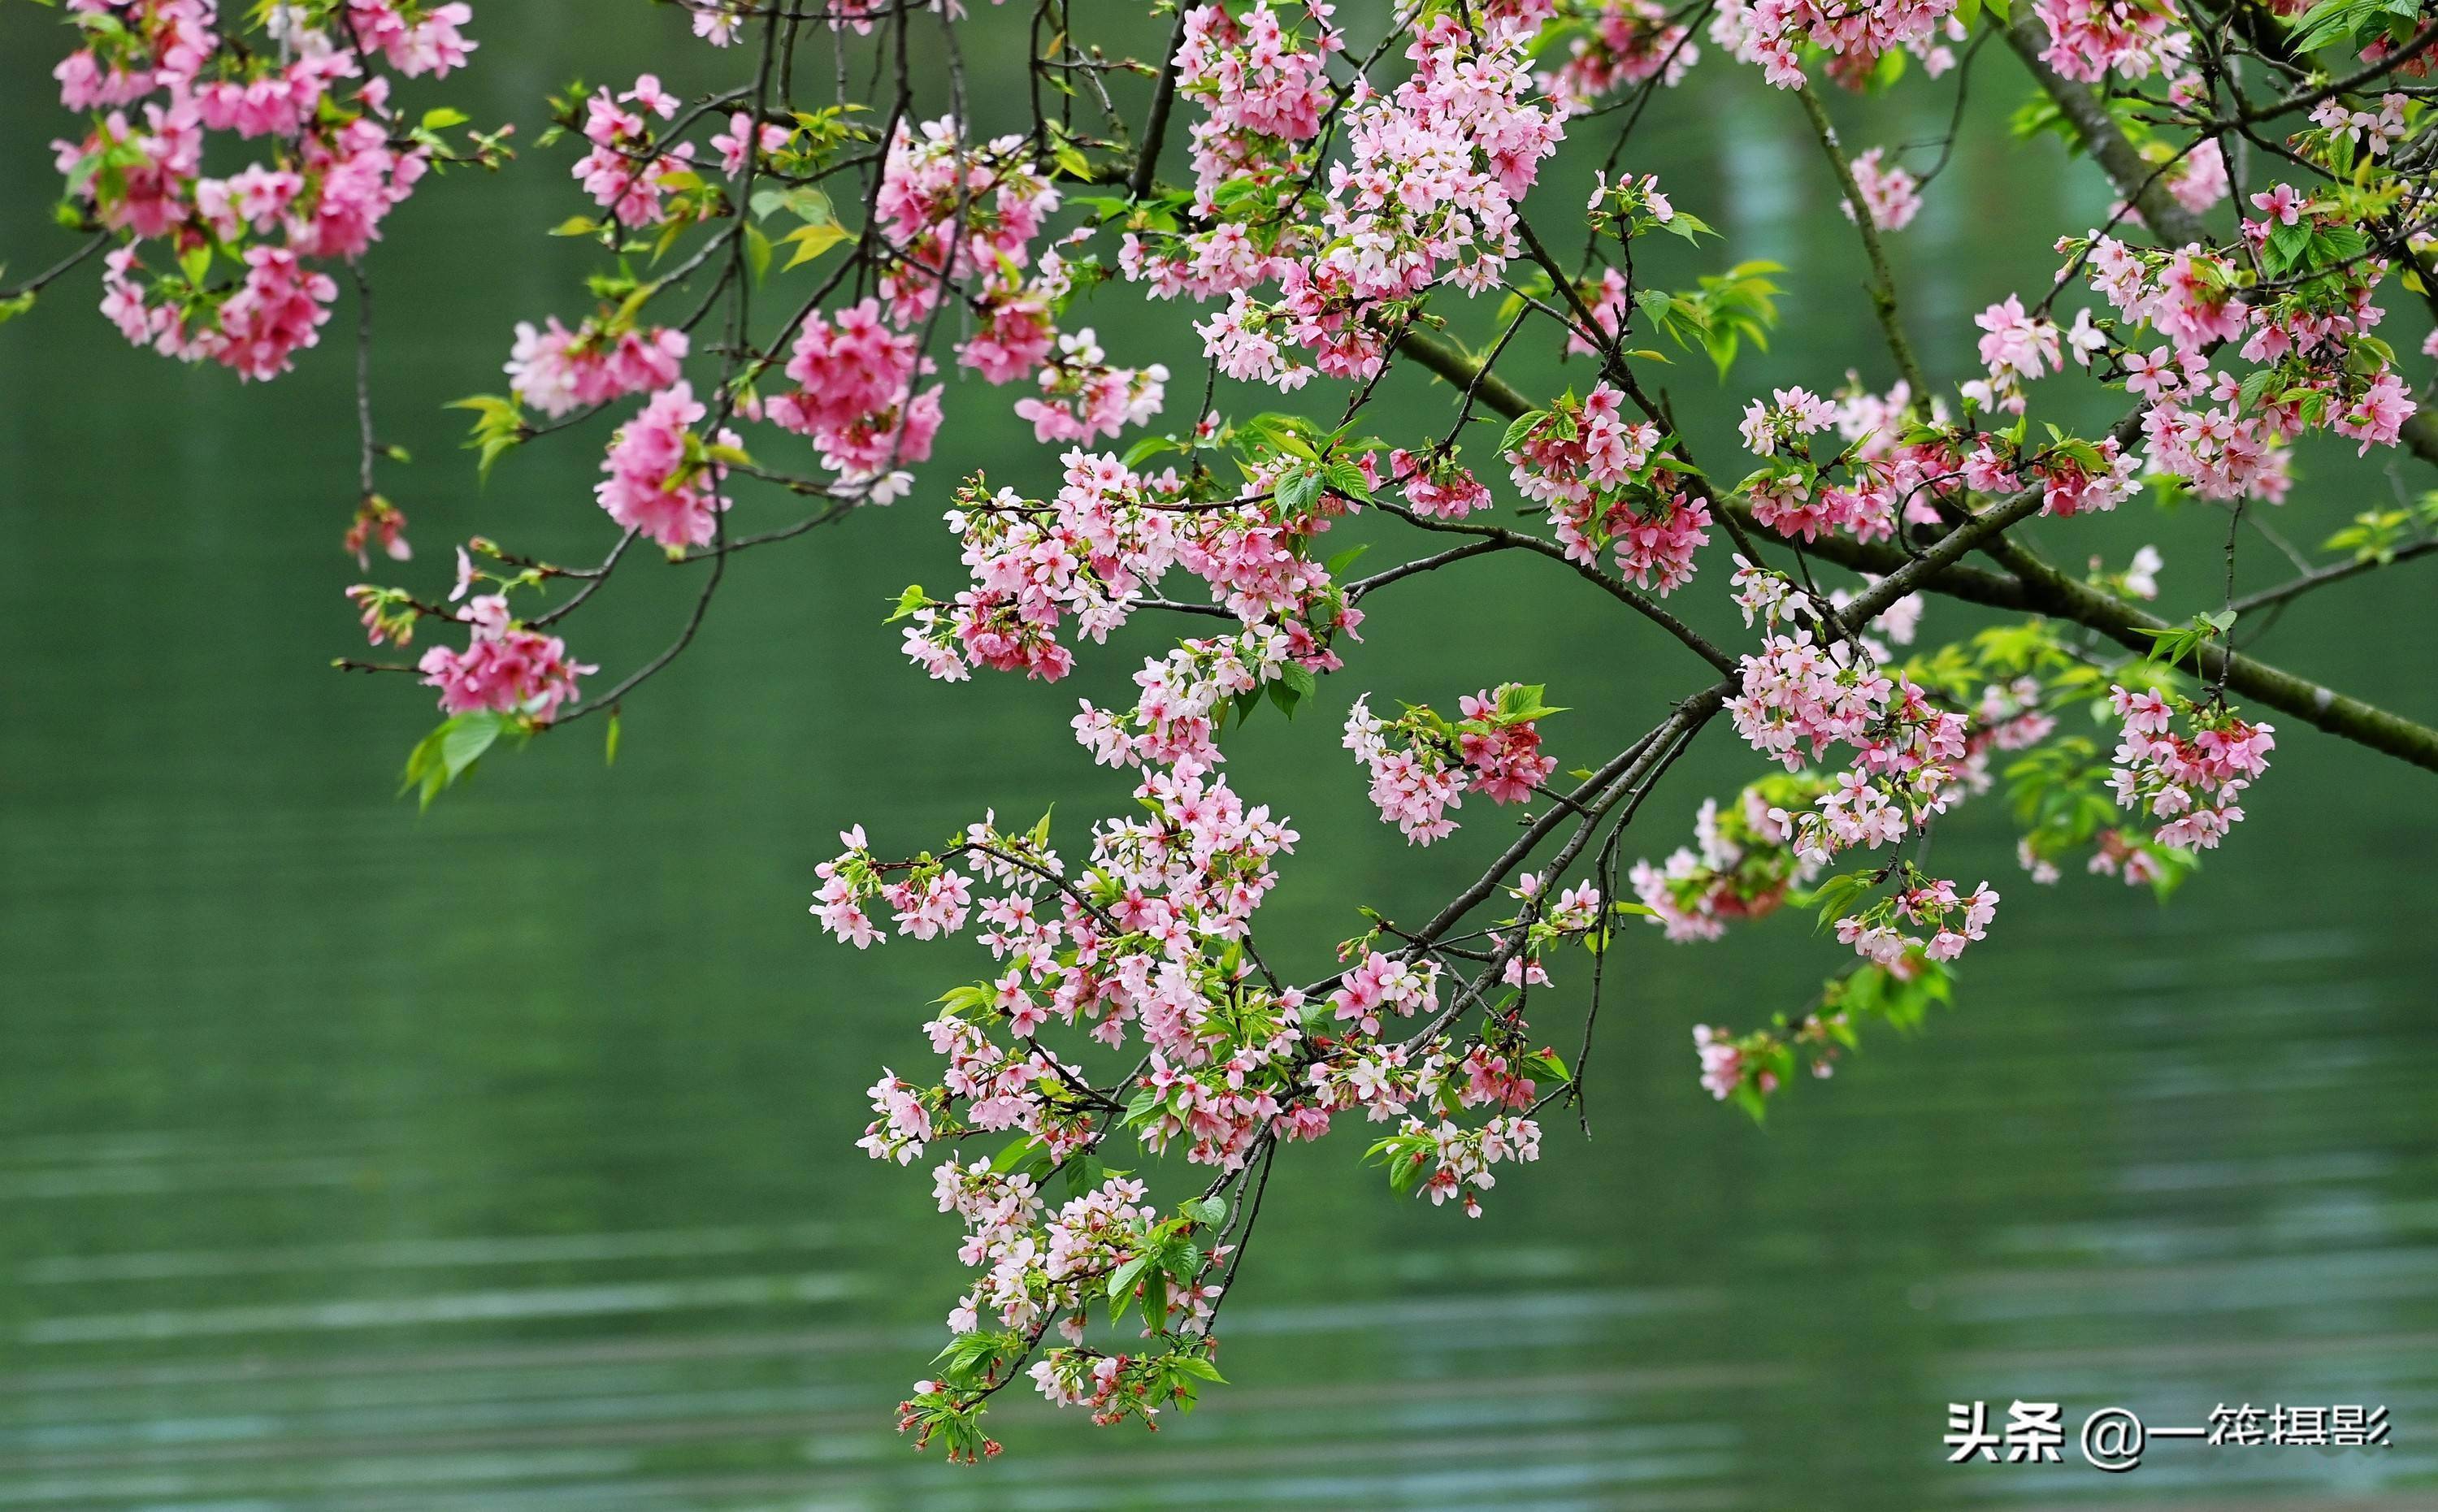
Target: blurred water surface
(500, 1157)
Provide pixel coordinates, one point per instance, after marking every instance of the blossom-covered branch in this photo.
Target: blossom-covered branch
(787, 274)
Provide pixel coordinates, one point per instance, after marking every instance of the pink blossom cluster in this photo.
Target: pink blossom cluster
(1262, 87)
(1100, 545)
(1952, 921)
(1722, 1064)
(1425, 198)
(626, 171)
(1749, 1068)
(1146, 938)
(2116, 854)
(416, 37)
(1136, 939)
(1421, 766)
(1887, 472)
(855, 397)
(1501, 748)
(743, 142)
(1892, 195)
(506, 667)
(1437, 169)
(162, 80)
(1040, 1270)
(1384, 983)
(2072, 480)
(1413, 785)
(559, 371)
(662, 481)
(2375, 131)
(2188, 778)
(1771, 34)
(274, 313)
(948, 213)
(1793, 414)
(2017, 347)
(1437, 485)
(1460, 1157)
(1575, 449)
(1741, 865)
(1911, 761)
(1091, 551)
(1083, 396)
(2091, 39)
(2013, 715)
(962, 216)
(2200, 181)
(1188, 692)
(1619, 43)
(1797, 698)
(1606, 490)
(955, 211)
(2227, 435)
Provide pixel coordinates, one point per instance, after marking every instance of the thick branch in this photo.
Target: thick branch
(1163, 99)
(2096, 129)
(2284, 592)
(2364, 724)
(1883, 283)
(2036, 587)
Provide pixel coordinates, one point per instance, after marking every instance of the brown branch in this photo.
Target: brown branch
(1883, 283)
(2043, 589)
(2285, 593)
(2098, 131)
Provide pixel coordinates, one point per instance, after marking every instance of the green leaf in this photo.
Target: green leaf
(2331, 19)
(1016, 1154)
(1297, 490)
(811, 241)
(1348, 478)
(450, 750)
(1521, 428)
(468, 736)
(1150, 446)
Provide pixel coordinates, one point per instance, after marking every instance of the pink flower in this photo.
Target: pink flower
(733, 144)
(658, 484)
(559, 371)
(2189, 780)
(2279, 203)
(1892, 195)
(2016, 346)
(2376, 419)
(280, 309)
(505, 667)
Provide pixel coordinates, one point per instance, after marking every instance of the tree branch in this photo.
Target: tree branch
(2036, 586)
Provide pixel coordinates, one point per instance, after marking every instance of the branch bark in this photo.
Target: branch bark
(2036, 587)
(2096, 129)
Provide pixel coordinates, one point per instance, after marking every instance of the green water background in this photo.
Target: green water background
(500, 1157)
